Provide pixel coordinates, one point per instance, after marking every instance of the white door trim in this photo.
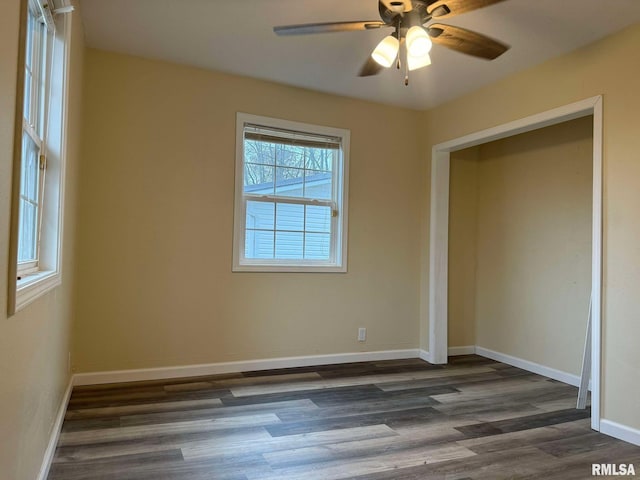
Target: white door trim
(439, 227)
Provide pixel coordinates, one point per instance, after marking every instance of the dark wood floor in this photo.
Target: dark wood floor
(471, 419)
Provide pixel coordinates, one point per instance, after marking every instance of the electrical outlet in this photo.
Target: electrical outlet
(362, 334)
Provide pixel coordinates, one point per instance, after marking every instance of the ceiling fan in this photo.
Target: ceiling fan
(409, 18)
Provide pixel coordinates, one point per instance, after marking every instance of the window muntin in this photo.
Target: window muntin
(291, 210)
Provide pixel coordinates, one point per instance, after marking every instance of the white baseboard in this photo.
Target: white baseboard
(118, 376)
(619, 431)
(465, 350)
(424, 355)
(55, 433)
(530, 366)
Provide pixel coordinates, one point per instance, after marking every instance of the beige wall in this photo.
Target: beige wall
(610, 68)
(534, 244)
(34, 343)
(520, 245)
(463, 239)
(156, 220)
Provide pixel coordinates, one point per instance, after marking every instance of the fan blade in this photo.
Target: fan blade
(309, 28)
(449, 8)
(466, 41)
(370, 67)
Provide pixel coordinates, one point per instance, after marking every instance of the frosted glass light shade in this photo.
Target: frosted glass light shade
(415, 63)
(386, 51)
(418, 42)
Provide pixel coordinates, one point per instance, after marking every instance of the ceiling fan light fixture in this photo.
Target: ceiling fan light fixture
(418, 42)
(414, 63)
(386, 51)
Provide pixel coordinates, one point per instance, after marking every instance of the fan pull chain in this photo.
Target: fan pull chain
(406, 74)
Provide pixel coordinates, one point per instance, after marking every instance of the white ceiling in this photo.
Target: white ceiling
(236, 36)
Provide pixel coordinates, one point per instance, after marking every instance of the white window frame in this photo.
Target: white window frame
(30, 280)
(339, 203)
(36, 129)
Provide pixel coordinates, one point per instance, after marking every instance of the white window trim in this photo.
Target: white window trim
(337, 265)
(49, 275)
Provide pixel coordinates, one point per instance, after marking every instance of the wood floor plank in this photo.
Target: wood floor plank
(300, 408)
(206, 440)
(360, 449)
(523, 423)
(124, 410)
(360, 466)
(316, 425)
(453, 381)
(325, 396)
(359, 380)
(509, 464)
(529, 437)
(289, 443)
(139, 432)
(375, 406)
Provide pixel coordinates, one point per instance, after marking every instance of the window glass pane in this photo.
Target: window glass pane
(41, 78)
(289, 217)
(289, 155)
(259, 152)
(30, 168)
(289, 245)
(28, 231)
(289, 182)
(29, 192)
(260, 215)
(318, 185)
(258, 244)
(29, 45)
(258, 179)
(319, 159)
(27, 96)
(317, 246)
(318, 219)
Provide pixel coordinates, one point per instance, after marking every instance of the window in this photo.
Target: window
(39, 152)
(291, 196)
(36, 80)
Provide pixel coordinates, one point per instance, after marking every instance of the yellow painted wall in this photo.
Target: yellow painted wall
(520, 245)
(533, 278)
(609, 68)
(463, 239)
(156, 219)
(34, 343)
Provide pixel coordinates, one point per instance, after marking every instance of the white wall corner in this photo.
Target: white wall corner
(619, 431)
(55, 433)
(424, 355)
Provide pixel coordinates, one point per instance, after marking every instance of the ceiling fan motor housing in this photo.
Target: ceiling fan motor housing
(404, 13)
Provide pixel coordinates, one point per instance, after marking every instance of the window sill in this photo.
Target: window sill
(31, 287)
(291, 268)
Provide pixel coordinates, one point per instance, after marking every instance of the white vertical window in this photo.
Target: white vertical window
(290, 208)
(39, 152)
(34, 127)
